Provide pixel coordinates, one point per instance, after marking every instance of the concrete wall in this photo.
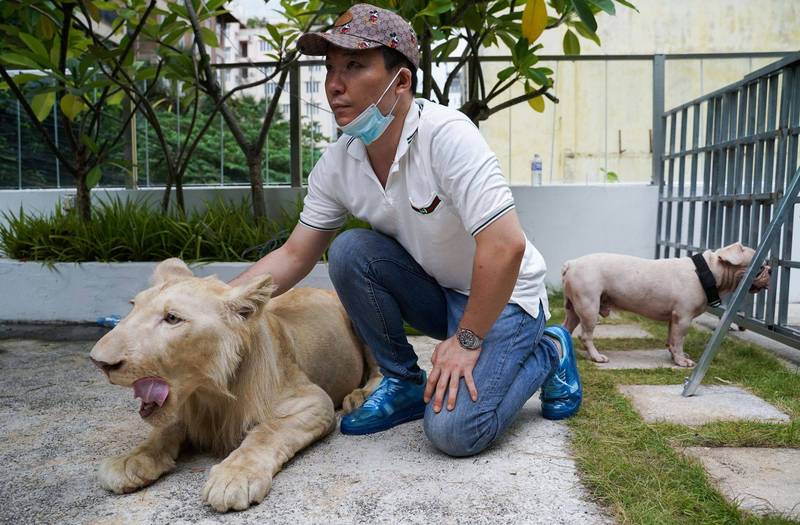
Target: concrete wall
(563, 222)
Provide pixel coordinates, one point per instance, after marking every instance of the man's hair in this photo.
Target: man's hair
(393, 58)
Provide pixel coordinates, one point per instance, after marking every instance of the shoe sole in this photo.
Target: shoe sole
(557, 415)
(402, 418)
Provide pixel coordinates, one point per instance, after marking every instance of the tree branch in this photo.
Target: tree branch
(522, 98)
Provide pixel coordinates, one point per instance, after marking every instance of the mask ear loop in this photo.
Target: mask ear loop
(396, 100)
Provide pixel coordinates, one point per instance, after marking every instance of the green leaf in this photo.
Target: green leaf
(89, 143)
(537, 76)
(116, 98)
(627, 4)
(605, 5)
(571, 44)
(275, 34)
(585, 14)
(34, 45)
(15, 59)
(93, 177)
(472, 20)
(505, 73)
(585, 33)
(445, 49)
(71, 106)
(436, 7)
(23, 78)
(209, 37)
(42, 104)
(520, 50)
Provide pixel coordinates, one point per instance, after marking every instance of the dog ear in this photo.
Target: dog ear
(249, 298)
(172, 269)
(733, 254)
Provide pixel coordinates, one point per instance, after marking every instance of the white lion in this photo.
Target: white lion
(231, 371)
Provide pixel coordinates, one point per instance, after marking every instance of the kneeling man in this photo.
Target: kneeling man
(446, 253)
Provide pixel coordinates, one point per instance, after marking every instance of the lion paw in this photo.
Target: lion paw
(231, 487)
(127, 473)
(354, 400)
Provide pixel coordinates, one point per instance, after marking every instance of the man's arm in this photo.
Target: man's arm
(292, 261)
(499, 250)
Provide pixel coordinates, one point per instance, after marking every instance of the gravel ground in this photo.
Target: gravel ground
(59, 418)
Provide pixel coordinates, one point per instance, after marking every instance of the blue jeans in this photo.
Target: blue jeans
(381, 285)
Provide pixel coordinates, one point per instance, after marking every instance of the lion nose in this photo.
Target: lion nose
(107, 367)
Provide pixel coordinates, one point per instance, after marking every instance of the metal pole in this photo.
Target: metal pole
(658, 135)
(786, 204)
(222, 138)
(19, 148)
(146, 148)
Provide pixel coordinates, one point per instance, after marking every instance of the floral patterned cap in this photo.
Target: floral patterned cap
(364, 26)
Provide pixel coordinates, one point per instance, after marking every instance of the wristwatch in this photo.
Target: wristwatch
(468, 339)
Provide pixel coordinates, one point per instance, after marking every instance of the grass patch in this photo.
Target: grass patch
(635, 469)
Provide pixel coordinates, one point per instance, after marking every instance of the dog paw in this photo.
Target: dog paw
(123, 474)
(682, 360)
(234, 487)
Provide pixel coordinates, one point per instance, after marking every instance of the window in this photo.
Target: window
(272, 87)
(265, 46)
(311, 108)
(285, 109)
(243, 49)
(312, 86)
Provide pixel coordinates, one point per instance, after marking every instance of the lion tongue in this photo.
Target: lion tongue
(151, 390)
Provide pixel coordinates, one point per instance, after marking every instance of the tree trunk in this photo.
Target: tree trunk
(427, 80)
(83, 197)
(179, 195)
(256, 187)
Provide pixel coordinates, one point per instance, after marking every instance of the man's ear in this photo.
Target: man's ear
(170, 270)
(249, 298)
(405, 79)
(732, 254)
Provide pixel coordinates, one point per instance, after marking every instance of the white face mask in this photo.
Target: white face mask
(371, 123)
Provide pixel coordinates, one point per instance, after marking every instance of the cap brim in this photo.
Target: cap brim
(318, 43)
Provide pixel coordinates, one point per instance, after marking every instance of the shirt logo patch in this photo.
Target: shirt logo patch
(429, 208)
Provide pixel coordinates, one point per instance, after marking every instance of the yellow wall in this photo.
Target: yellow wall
(606, 106)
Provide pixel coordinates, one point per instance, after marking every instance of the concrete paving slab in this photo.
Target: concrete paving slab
(59, 418)
(765, 481)
(637, 359)
(616, 331)
(656, 403)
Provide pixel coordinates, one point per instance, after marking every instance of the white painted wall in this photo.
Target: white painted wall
(563, 222)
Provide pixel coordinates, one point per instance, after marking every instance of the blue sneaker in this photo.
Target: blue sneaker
(395, 401)
(561, 392)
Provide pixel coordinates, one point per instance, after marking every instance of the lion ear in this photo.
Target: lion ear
(249, 298)
(732, 254)
(170, 270)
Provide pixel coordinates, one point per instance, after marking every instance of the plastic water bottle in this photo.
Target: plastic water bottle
(109, 321)
(536, 170)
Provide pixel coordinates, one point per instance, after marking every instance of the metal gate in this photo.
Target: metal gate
(729, 163)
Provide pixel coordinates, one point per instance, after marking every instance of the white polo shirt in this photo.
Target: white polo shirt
(444, 187)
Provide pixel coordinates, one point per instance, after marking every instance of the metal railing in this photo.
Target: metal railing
(608, 137)
(725, 173)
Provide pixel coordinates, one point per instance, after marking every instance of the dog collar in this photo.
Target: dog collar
(706, 279)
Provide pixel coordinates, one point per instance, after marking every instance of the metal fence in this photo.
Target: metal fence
(607, 122)
(727, 163)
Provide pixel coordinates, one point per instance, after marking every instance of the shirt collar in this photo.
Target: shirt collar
(356, 149)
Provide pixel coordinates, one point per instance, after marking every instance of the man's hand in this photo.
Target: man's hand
(451, 362)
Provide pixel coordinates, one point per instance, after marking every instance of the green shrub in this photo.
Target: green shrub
(131, 230)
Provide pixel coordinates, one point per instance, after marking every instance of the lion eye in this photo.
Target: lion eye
(171, 318)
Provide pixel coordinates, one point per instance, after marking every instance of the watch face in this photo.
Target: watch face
(468, 340)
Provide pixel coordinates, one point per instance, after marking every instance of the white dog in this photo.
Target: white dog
(662, 289)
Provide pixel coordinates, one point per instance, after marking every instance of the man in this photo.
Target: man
(446, 252)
